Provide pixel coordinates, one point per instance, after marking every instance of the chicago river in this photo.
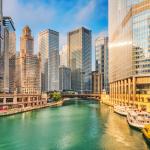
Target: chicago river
(77, 125)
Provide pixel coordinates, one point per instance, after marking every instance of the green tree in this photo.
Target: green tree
(56, 96)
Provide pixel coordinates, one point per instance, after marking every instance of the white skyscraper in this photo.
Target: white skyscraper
(63, 56)
(48, 44)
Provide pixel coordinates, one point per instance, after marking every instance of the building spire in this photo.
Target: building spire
(1, 10)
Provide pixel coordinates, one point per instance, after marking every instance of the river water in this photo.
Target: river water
(78, 125)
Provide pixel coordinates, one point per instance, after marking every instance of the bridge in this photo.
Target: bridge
(86, 96)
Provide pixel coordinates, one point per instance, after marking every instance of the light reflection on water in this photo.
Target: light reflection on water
(118, 134)
(79, 125)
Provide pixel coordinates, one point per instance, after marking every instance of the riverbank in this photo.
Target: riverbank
(26, 109)
(107, 103)
(80, 125)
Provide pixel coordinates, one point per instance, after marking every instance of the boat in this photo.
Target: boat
(138, 119)
(121, 110)
(146, 133)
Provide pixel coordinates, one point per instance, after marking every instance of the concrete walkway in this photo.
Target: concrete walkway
(21, 110)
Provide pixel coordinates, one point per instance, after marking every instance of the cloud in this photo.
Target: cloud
(86, 12)
(59, 15)
(28, 13)
(33, 14)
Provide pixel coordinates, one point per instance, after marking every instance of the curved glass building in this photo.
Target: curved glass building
(129, 52)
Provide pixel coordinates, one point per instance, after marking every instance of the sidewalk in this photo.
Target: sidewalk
(21, 110)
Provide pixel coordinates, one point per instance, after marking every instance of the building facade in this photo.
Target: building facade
(63, 56)
(8, 23)
(101, 57)
(48, 43)
(64, 78)
(28, 66)
(4, 60)
(79, 59)
(96, 82)
(4, 55)
(129, 52)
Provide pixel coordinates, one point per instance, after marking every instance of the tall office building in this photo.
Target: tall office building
(8, 23)
(63, 56)
(64, 78)
(4, 54)
(7, 53)
(101, 55)
(1, 9)
(28, 65)
(48, 43)
(129, 52)
(79, 59)
(96, 82)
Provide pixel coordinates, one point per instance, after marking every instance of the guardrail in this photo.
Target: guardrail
(97, 96)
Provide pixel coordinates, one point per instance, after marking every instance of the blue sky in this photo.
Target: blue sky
(60, 15)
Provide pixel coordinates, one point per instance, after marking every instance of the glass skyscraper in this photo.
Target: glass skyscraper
(64, 78)
(129, 52)
(8, 23)
(5, 27)
(48, 44)
(80, 59)
(101, 55)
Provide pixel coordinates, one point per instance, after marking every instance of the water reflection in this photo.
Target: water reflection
(118, 134)
(78, 125)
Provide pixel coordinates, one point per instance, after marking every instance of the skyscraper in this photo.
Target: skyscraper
(63, 56)
(101, 55)
(79, 59)
(48, 43)
(64, 78)
(4, 54)
(96, 82)
(4, 60)
(8, 23)
(129, 52)
(1, 9)
(28, 65)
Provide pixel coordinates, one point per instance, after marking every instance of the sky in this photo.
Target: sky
(60, 15)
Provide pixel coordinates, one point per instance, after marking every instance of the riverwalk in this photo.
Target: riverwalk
(25, 109)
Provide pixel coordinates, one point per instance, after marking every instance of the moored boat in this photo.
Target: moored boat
(121, 110)
(138, 119)
(146, 133)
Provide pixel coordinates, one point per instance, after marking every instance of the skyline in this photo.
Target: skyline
(75, 73)
(82, 13)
